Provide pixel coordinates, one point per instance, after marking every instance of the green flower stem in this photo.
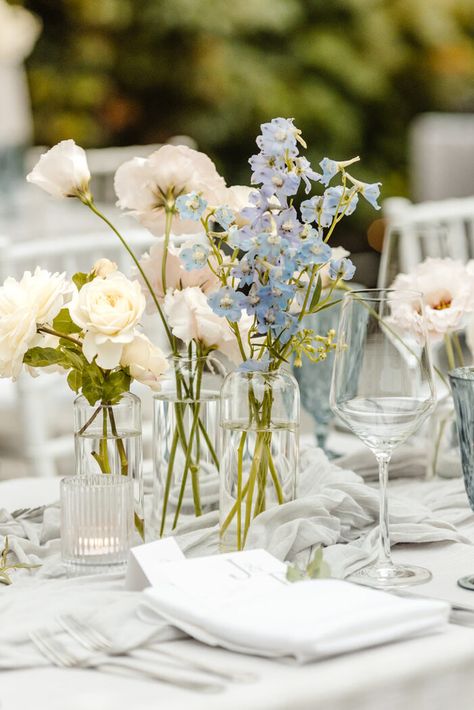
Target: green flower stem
(458, 348)
(83, 429)
(448, 344)
(240, 453)
(90, 204)
(274, 475)
(64, 336)
(168, 218)
(120, 444)
(188, 465)
(169, 476)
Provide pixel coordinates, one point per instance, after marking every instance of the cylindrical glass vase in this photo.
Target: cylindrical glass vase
(260, 414)
(108, 440)
(444, 454)
(186, 444)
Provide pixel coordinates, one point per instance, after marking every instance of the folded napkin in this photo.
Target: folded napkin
(265, 615)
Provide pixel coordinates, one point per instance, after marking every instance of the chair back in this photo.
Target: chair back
(443, 228)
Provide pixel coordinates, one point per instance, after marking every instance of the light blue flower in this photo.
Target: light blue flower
(288, 224)
(371, 192)
(341, 269)
(278, 137)
(313, 251)
(244, 271)
(227, 303)
(224, 216)
(194, 257)
(260, 165)
(340, 199)
(252, 365)
(269, 245)
(319, 209)
(285, 330)
(241, 238)
(280, 183)
(302, 168)
(329, 168)
(277, 293)
(191, 206)
(269, 317)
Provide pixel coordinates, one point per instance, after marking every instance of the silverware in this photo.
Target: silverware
(58, 655)
(24, 513)
(94, 640)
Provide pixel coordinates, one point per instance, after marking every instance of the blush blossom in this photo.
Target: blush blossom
(149, 187)
(63, 171)
(145, 361)
(448, 295)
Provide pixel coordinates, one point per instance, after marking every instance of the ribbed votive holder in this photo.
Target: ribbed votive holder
(96, 522)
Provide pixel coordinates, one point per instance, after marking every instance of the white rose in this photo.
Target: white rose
(17, 327)
(145, 361)
(63, 171)
(49, 292)
(104, 267)
(34, 300)
(108, 310)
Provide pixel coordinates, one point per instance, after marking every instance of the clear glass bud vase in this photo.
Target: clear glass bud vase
(186, 443)
(260, 415)
(108, 440)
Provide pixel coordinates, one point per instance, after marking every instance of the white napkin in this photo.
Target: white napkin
(259, 612)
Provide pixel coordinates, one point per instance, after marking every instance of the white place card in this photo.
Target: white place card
(146, 561)
(222, 575)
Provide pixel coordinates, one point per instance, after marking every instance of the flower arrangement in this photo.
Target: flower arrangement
(235, 269)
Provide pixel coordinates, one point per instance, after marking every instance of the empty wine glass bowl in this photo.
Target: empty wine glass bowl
(383, 389)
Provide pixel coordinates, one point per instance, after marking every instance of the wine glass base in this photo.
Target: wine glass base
(467, 582)
(391, 576)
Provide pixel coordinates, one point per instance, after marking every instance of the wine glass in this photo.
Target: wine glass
(383, 389)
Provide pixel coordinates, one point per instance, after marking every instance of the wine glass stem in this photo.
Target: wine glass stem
(385, 556)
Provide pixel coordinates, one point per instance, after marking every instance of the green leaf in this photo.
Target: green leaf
(73, 355)
(81, 279)
(92, 383)
(4, 578)
(327, 305)
(42, 357)
(294, 574)
(116, 383)
(316, 294)
(74, 380)
(63, 323)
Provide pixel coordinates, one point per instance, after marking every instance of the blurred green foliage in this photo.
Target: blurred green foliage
(352, 73)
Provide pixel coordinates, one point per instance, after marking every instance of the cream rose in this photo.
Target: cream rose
(49, 292)
(108, 311)
(104, 267)
(62, 171)
(146, 361)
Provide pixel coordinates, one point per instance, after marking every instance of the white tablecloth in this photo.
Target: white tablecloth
(430, 673)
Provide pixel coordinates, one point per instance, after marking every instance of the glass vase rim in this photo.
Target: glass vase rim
(370, 293)
(459, 373)
(81, 399)
(188, 358)
(95, 480)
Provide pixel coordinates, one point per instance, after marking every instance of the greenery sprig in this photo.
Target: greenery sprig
(5, 567)
(316, 569)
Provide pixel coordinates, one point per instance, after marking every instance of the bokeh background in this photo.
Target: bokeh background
(354, 74)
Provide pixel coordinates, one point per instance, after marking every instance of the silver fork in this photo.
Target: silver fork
(58, 655)
(94, 640)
